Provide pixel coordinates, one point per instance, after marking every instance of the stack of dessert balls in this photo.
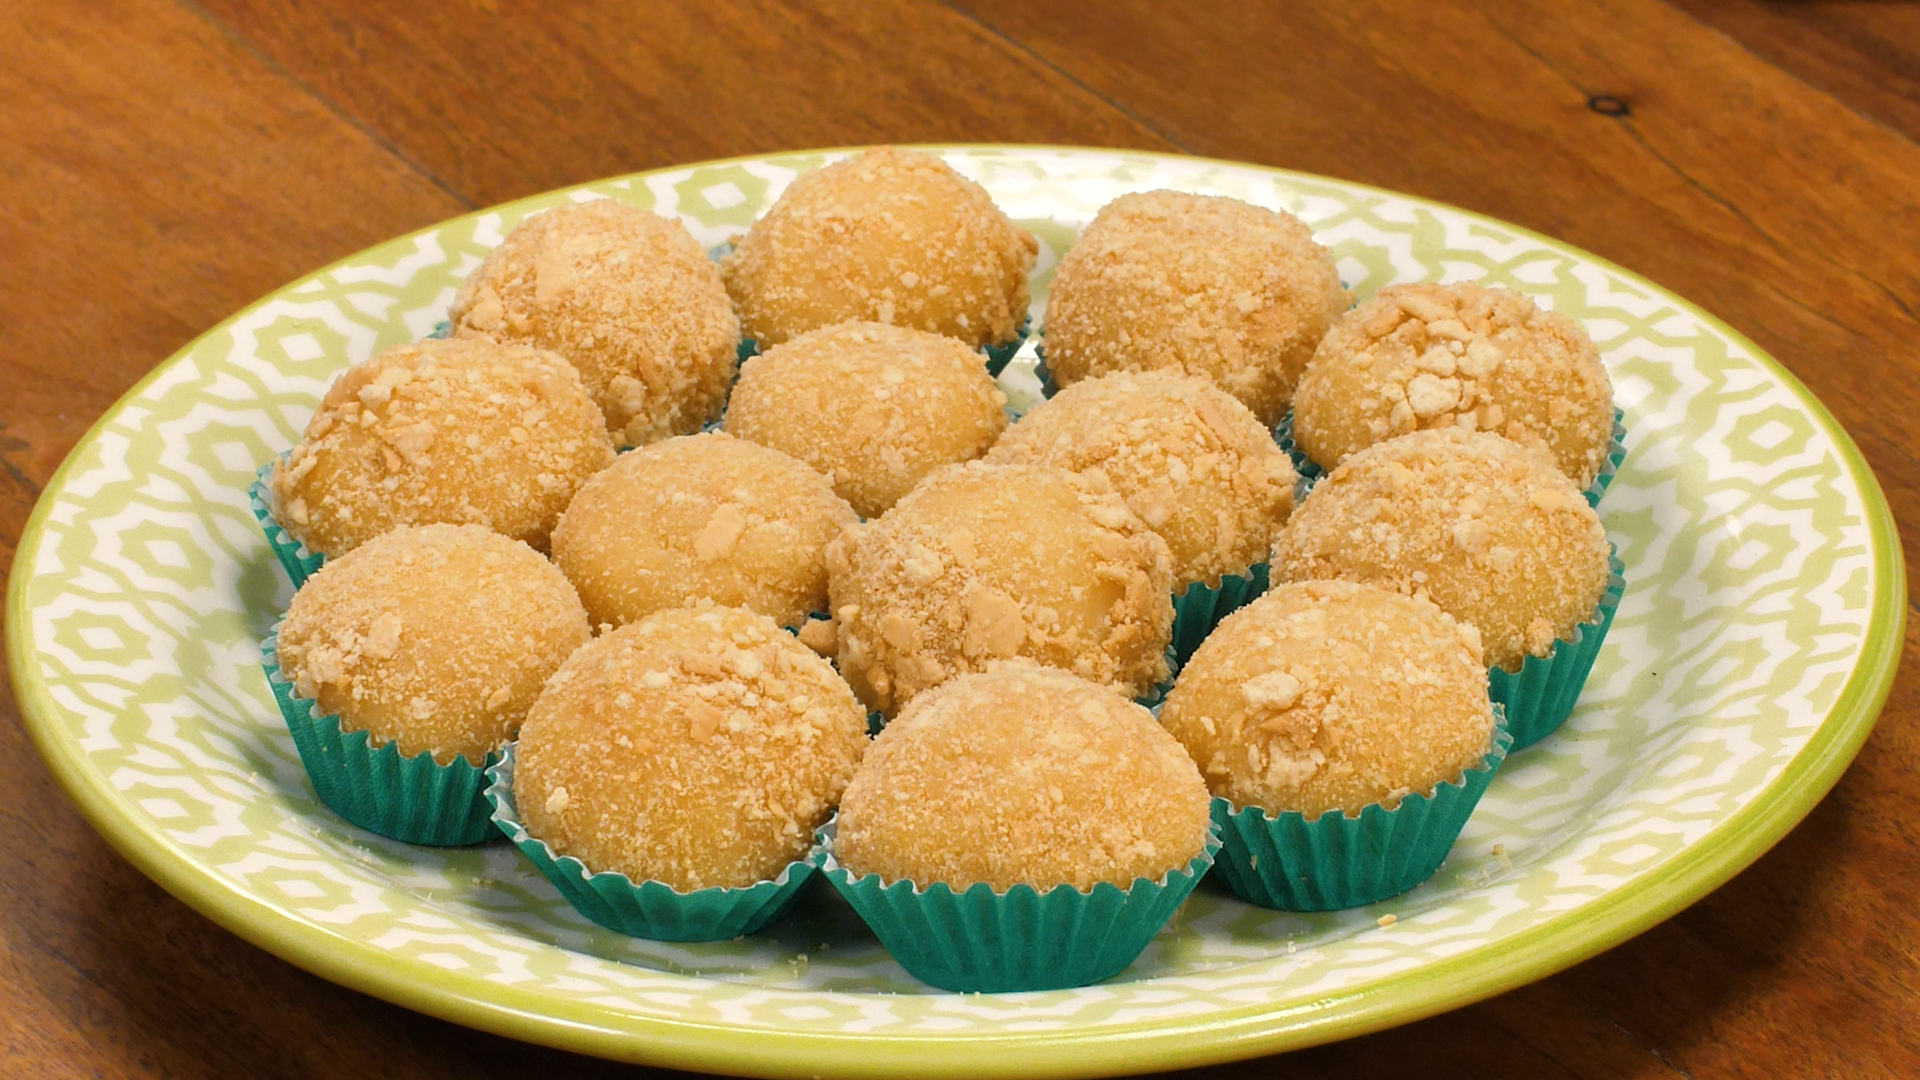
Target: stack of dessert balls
(580, 575)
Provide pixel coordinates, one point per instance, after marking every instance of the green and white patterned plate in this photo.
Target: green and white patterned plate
(1760, 630)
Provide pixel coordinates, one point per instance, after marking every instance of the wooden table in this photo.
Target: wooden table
(167, 161)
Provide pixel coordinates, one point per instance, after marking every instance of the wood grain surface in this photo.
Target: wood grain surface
(164, 162)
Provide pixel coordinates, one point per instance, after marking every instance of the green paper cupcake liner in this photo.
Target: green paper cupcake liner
(1047, 387)
(999, 356)
(299, 563)
(414, 799)
(1333, 861)
(1201, 607)
(1310, 473)
(1616, 453)
(1541, 695)
(981, 941)
(651, 909)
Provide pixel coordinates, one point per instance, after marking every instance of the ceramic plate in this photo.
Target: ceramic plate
(1760, 629)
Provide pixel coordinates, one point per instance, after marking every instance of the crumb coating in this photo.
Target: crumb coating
(441, 432)
(1204, 284)
(628, 297)
(984, 562)
(699, 747)
(1198, 468)
(1328, 695)
(1426, 356)
(1490, 530)
(873, 407)
(1022, 774)
(700, 517)
(889, 236)
(436, 637)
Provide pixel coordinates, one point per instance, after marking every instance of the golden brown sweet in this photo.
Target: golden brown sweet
(700, 747)
(1204, 284)
(1328, 695)
(891, 236)
(872, 407)
(1426, 356)
(1022, 774)
(441, 431)
(625, 295)
(437, 637)
(1196, 466)
(984, 562)
(1490, 530)
(700, 517)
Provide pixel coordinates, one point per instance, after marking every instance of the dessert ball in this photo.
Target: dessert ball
(1203, 284)
(700, 517)
(1490, 530)
(984, 562)
(625, 295)
(699, 747)
(1022, 774)
(441, 431)
(1328, 695)
(890, 236)
(437, 637)
(1426, 356)
(873, 407)
(1196, 466)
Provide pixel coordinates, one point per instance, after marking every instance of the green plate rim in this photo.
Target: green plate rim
(1471, 976)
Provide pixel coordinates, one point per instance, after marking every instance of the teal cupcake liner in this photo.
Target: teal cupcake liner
(1333, 861)
(981, 941)
(1047, 387)
(1201, 607)
(1310, 473)
(1540, 696)
(999, 356)
(299, 563)
(1616, 453)
(651, 909)
(414, 799)
(1157, 696)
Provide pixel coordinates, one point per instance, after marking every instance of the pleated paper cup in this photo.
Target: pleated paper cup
(414, 799)
(299, 563)
(1616, 453)
(1291, 862)
(1541, 695)
(647, 909)
(1200, 607)
(977, 940)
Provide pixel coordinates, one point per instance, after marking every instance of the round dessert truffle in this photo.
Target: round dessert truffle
(892, 236)
(699, 748)
(625, 295)
(441, 431)
(1204, 284)
(700, 517)
(1196, 466)
(873, 407)
(984, 562)
(1427, 356)
(1490, 530)
(1329, 695)
(436, 637)
(1022, 775)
